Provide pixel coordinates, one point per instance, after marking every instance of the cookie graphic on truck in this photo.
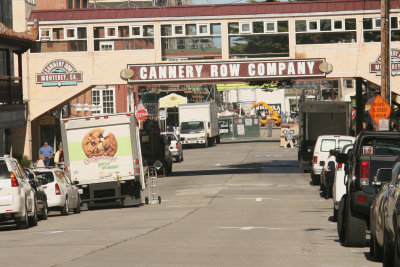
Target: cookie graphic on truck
(97, 143)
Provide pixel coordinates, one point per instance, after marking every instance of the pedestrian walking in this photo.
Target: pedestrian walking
(48, 153)
(270, 123)
(288, 137)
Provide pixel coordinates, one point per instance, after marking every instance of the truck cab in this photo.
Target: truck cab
(194, 132)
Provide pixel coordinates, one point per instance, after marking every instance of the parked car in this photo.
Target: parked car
(17, 198)
(62, 194)
(339, 184)
(323, 145)
(175, 146)
(377, 217)
(41, 197)
(391, 242)
(372, 151)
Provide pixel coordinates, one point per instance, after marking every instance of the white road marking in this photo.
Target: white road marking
(58, 232)
(247, 228)
(257, 199)
(187, 206)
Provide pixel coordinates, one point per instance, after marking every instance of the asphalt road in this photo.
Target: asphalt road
(239, 203)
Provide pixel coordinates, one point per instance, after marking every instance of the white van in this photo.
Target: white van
(324, 144)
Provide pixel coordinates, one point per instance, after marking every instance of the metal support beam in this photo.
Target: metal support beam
(359, 106)
(385, 51)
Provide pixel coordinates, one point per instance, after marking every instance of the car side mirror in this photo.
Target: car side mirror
(32, 183)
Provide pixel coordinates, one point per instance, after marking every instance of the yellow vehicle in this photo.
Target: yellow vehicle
(266, 113)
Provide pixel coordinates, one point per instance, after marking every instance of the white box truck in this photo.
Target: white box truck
(103, 154)
(198, 124)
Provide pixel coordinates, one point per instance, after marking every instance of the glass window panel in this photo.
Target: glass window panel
(148, 30)
(191, 29)
(178, 29)
(283, 26)
(58, 33)
(111, 32)
(367, 23)
(258, 46)
(123, 31)
(136, 31)
(350, 24)
(394, 22)
(98, 32)
(342, 143)
(233, 28)
(82, 33)
(326, 37)
(337, 25)
(215, 28)
(270, 27)
(301, 26)
(328, 144)
(203, 29)
(372, 36)
(377, 23)
(245, 27)
(166, 30)
(325, 25)
(258, 27)
(312, 25)
(70, 33)
(45, 33)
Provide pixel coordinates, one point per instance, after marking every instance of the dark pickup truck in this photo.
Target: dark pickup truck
(371, 151)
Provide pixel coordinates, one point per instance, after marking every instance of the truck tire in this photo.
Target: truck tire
(354, 228)
(23, 222)
(315, 179)
(65, 208)
(205, 145)
(340, 218)
(218, 139)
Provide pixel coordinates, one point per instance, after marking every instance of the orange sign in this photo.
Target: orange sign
(380, 109)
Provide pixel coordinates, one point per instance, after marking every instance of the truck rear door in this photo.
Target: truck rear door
(6, 192)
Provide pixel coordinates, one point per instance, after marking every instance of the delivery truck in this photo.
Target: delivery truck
(320, 118)
(198, 124)
(103, 153)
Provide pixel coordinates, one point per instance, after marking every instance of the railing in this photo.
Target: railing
(10, 90)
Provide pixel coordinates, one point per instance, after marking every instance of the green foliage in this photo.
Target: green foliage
(25, 161)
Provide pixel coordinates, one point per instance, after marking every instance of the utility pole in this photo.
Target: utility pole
(385, 51)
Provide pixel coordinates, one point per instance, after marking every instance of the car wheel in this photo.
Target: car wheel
(387, 254)
(315, 179)
(23, 222)
(340, 219)
(77, 210)
(45, 212)
(375, 250)
(206, 143)
(33, 221)
(354, 227)
(65, 209)
(182, 157)
(146, 200)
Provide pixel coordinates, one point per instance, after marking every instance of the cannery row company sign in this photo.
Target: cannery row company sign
(375, 67)
(226, 70)
(59, 72)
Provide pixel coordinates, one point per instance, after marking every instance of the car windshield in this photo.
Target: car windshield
(192, 127)
(4, 174)
(45, 177)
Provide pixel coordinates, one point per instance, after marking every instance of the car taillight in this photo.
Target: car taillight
(364, 177)
(315, 159)
(14, 181)
(138, 170)
(66, 169)
(137, 162)
(326, 172)
(340, 166)
(177, 146)
(362, 199)
(58, 191)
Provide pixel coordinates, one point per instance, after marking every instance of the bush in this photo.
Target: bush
(25, 162)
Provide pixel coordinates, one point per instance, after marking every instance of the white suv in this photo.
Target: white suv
(17, 198)
(175, 146)
(62, 194)
(324, 144)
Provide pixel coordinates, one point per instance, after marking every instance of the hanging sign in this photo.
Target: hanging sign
(59, 72)
(375, 67)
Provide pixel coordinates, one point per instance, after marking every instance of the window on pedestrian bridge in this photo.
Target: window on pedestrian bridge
(194, 41)
(372, 29)
(129, 37)
(258, 39)
(326, 31)
(61, 39)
